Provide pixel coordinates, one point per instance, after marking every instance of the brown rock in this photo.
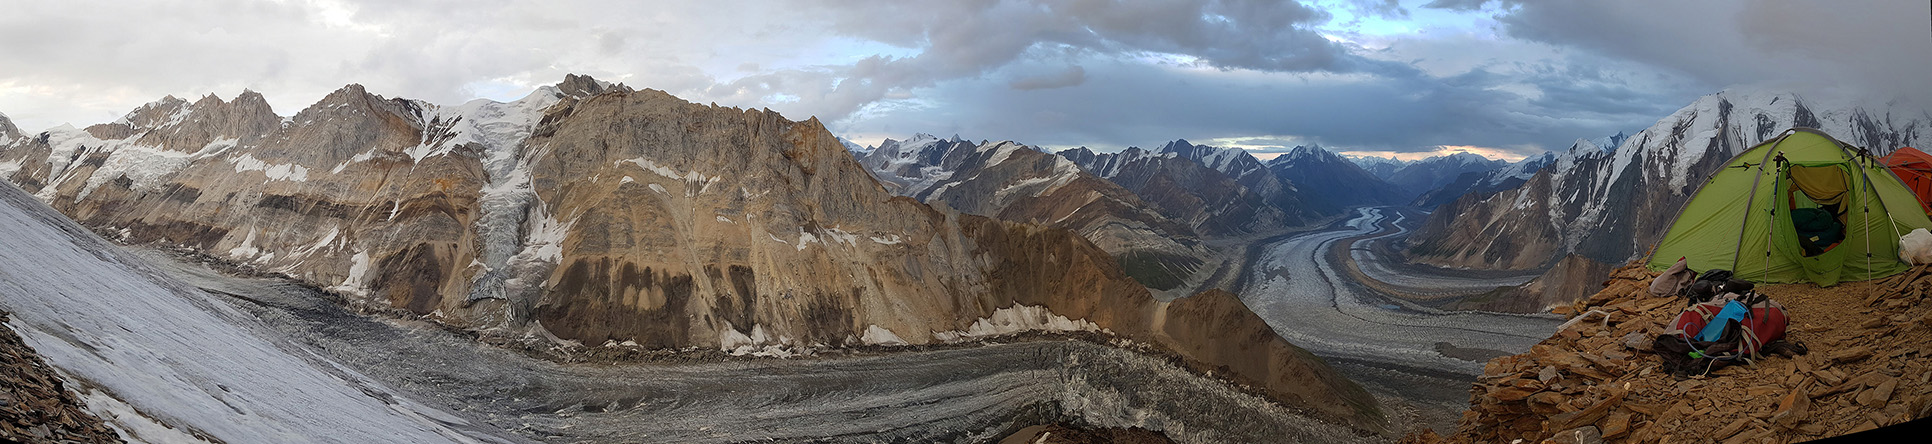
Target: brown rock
(1748, 437)
(1586, 416)
(1645, 409)
(1729, 430)
(1508, 394)
(1828, 378)
(1851, 355)
(1579, 435)
(1793, 409)
(1879, 396)
(1615, 425)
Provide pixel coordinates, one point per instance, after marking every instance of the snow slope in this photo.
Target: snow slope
(139, 341)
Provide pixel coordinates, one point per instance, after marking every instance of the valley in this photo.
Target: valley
(1408, 354)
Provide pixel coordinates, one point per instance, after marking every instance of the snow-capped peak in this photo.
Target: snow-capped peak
(1303, 153)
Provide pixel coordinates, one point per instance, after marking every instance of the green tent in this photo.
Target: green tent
(1799, 207)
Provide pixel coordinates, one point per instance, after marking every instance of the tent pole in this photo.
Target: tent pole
(1750, 202)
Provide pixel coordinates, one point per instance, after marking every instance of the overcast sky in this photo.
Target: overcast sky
(1502, 78)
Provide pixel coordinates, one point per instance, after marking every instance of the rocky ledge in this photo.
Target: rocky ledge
(1597, 381)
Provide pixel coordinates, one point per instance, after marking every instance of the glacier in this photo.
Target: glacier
(147, 350)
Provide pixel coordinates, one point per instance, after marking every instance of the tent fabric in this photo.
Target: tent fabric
(1824, 185)
(1913, 167)
(1742, 218)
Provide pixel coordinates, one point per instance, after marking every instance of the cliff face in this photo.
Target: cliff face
(596, 213)
(1607, 206)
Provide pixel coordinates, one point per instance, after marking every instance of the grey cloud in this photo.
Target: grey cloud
(1073, 75)
(1137, 105)
(1379, 8)
(1459, 5)
(959, 40)
(1882, 48)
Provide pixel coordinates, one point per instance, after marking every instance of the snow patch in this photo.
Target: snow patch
(724, 219)
(1015, 319)
(358, 275)
(275, 171)
(695, 182)
(247, 248)
(876, 335)
(890, 239)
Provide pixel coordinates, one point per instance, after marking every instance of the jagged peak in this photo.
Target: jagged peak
(1076, 151)
(582, 86)
(1178, 146)
(7, 128)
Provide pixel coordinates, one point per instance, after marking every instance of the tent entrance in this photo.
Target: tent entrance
(1816, 203)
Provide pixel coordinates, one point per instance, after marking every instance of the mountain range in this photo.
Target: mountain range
(593, 213)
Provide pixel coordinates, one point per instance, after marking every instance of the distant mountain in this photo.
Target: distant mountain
(1426, 175)
(1381, 167)
(1600, 206)
(1333, 183)
(1016, 182)
(855, 147)
(1507, 176)
(1215, 191)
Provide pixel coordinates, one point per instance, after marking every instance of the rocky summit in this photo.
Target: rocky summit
(592, 213)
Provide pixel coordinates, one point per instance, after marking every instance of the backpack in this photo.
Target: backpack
(1712, 283)
(1722, 331)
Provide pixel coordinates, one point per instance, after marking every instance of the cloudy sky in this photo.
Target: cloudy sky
(1503, 78)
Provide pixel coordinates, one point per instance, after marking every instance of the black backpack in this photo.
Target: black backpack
(1712, 283)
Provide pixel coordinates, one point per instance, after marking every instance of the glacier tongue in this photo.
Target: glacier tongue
(119, 328)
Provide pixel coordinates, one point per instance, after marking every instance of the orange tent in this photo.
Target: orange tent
(1913, 167)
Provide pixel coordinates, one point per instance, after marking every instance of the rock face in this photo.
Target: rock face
(1606, 205)
(592, 212)
(1210, 201)
(1343, 184)
(1016, 182)
(1864, 370)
